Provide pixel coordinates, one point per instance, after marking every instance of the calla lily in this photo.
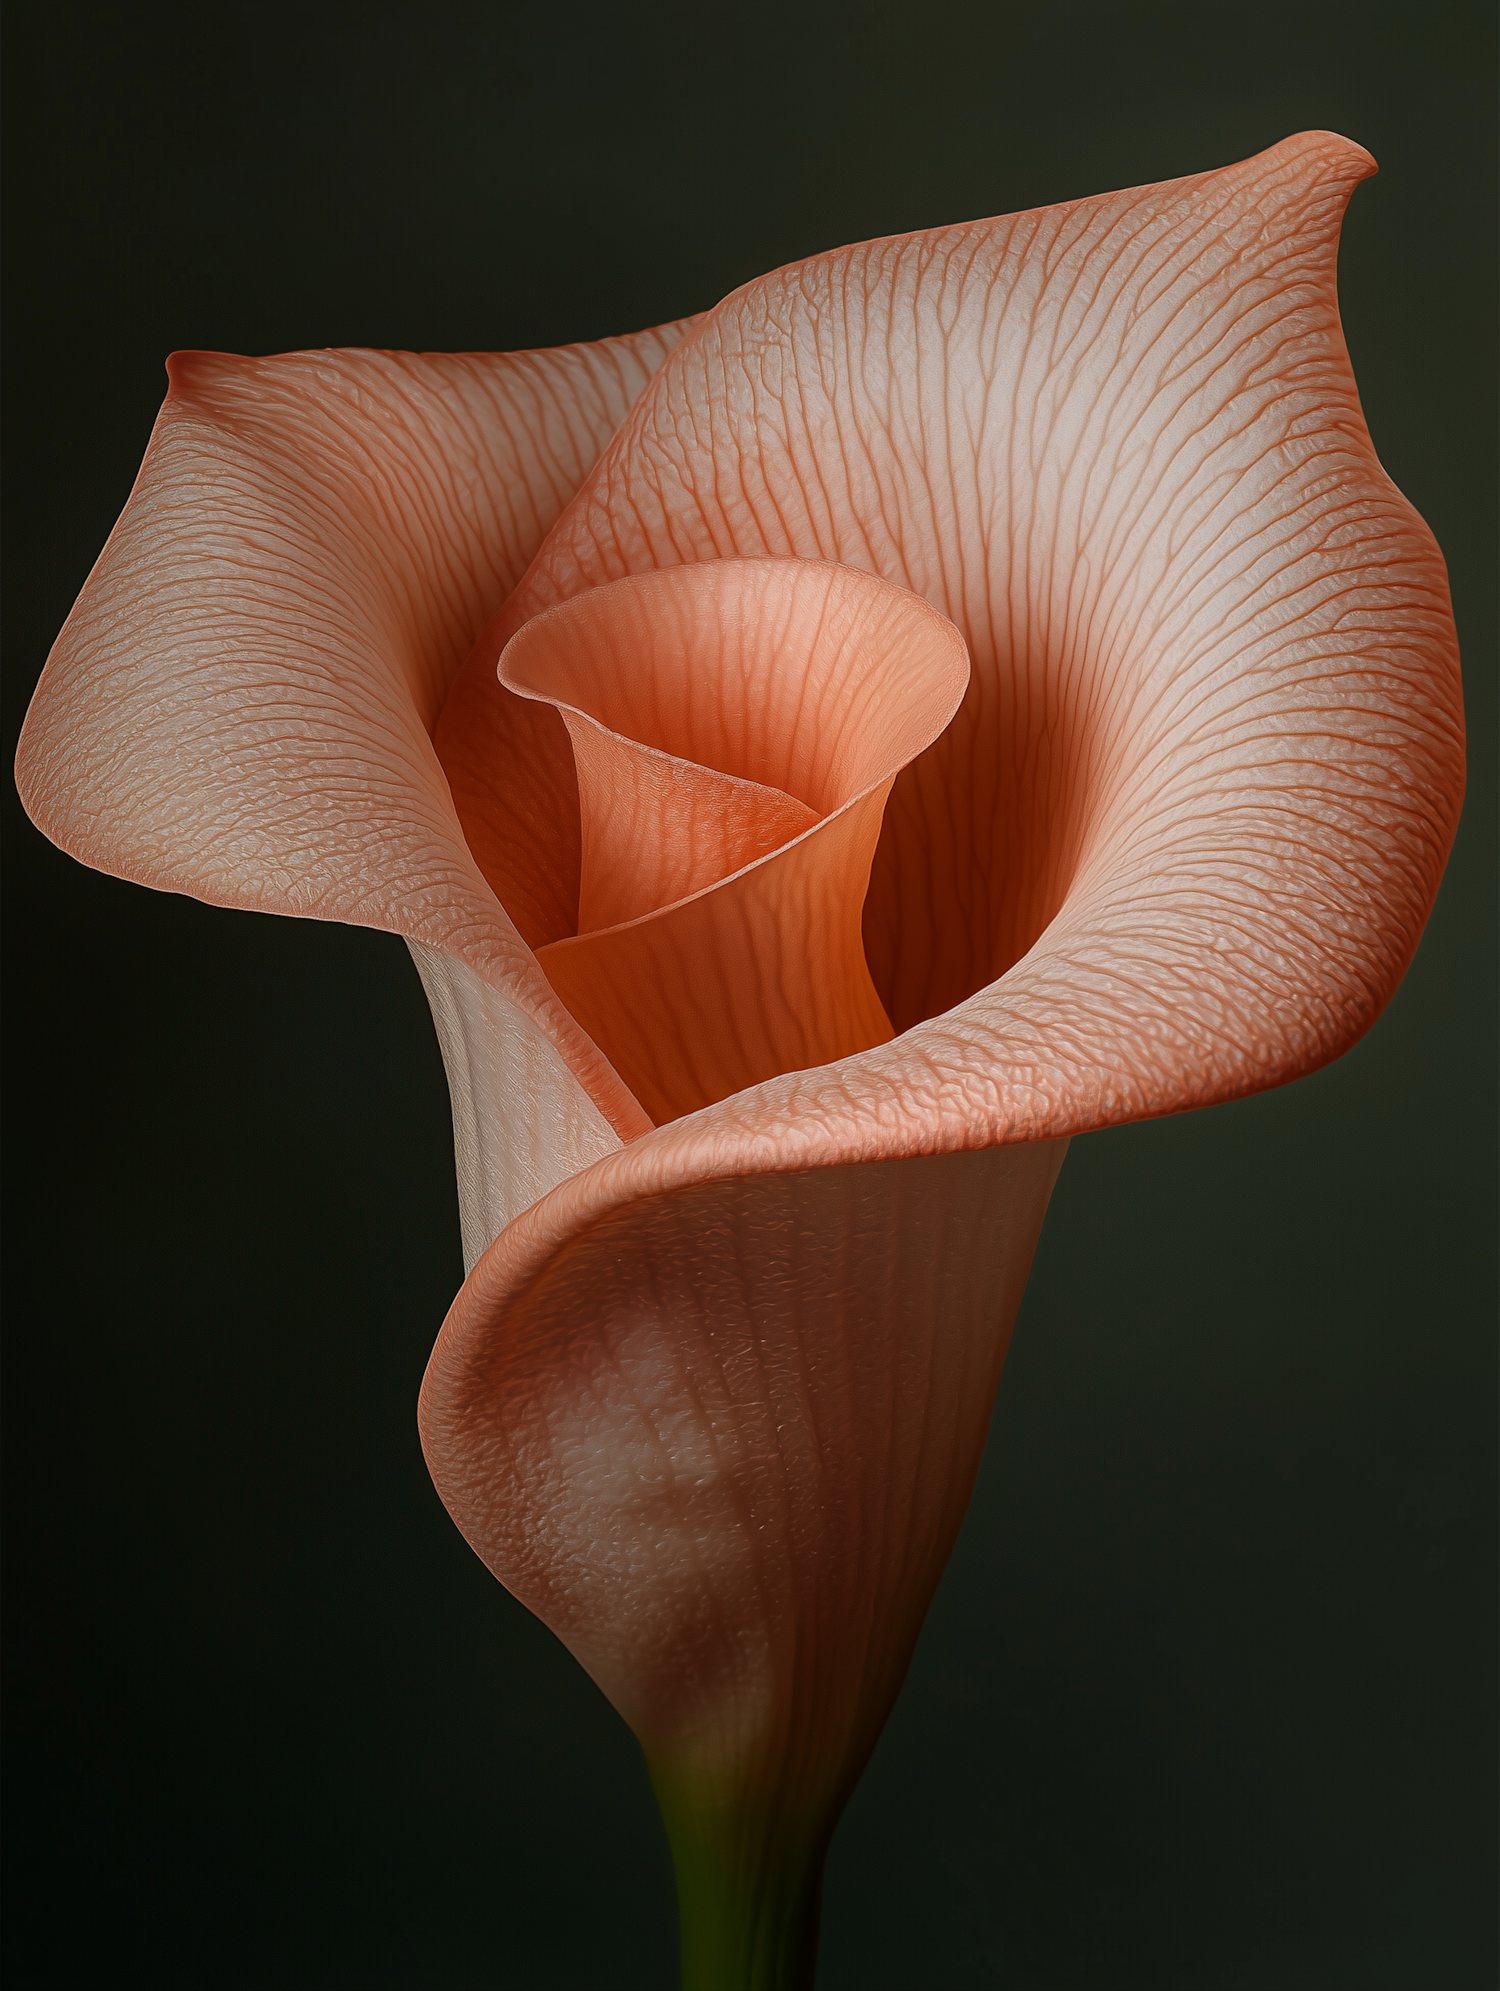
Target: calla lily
(386, 638)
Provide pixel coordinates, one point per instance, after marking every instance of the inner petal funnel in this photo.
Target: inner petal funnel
(736, 727)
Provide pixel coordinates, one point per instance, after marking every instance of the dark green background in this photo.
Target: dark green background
(1206, 1700)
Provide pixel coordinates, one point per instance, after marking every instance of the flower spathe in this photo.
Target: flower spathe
(714, 1391)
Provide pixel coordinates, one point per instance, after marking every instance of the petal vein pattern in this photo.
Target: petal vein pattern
(1214, 710)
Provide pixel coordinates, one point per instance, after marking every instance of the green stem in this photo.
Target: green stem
(748, 1897)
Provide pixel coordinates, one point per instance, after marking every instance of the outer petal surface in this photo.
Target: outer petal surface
(720, 1435)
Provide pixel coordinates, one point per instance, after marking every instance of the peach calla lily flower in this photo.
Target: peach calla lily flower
(747, 1207)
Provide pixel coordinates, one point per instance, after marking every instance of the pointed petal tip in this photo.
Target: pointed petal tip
(1341, 159)
(193, 369)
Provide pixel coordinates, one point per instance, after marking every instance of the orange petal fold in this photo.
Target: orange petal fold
(736, 727)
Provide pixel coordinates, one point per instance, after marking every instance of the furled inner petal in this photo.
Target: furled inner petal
(657, 829)
(736, 727)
